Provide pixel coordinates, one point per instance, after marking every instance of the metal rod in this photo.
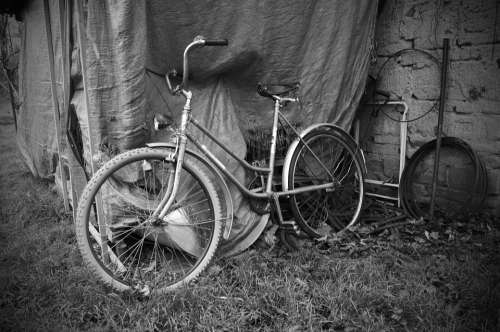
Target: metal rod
(305, 189)
(244, 190)
(272, 153)
(55, 103)
(241, 161)
(403, 134)
(442, 100)
(382, 183)
(392, 198)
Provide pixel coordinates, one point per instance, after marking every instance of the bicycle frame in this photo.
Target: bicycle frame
(267, 171)
(182, 138)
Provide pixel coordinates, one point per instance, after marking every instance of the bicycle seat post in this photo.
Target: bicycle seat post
(272, 155)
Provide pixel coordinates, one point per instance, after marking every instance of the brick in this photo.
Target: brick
(492, 124)
(472, 109)
(478, 21)
(411, 149)
(491, 160)
(375, 167)
(385, 150)
(489, 106)
(464, 23)
(412, 73)
(484, 106)
(485, 147)
(419, 137)
(462, 107)
(469, 53)
(494, 182)
(386, 139)
(391, 41)
(395, 79)
(465, 126)
(474, 80)
(426, 82)
(382, 165)
(376, 123)
(387, 32)
(391, 167)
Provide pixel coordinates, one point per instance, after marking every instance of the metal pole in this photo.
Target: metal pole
(55, 103)
(442, 100)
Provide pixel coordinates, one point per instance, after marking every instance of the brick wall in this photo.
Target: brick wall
(473, 105)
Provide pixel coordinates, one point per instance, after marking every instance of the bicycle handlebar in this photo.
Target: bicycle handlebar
(198, 41)
(216, 42)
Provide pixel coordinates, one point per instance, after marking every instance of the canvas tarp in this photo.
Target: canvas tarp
(323, 44)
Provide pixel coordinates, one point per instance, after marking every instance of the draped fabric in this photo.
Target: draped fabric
(324, 44)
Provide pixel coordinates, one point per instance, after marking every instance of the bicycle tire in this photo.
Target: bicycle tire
(128, 186)
(458, 195)
(326, 212)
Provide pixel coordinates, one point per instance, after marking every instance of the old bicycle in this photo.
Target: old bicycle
(150, 219)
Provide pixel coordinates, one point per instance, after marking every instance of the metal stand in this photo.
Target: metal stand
(402, 150)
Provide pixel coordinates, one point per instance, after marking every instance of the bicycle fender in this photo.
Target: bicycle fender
(228, 220)
(319, 126)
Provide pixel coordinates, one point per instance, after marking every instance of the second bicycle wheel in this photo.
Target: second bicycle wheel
(124, 246)
(326, 157)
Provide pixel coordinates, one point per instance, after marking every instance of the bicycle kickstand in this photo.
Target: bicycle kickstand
(285, 225)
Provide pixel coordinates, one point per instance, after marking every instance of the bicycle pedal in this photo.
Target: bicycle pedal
(332, 188)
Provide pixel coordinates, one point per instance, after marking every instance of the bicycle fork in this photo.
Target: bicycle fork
(174, 174)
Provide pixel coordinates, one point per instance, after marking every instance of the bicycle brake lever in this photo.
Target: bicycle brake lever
(172, 73)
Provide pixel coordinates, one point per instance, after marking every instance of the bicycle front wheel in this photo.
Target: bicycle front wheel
(326, 157)
(120, 241)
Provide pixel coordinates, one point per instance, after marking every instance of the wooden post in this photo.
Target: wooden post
(77, 177)
(82, 41)
(65, 52)
(55, 103)
(82, 46)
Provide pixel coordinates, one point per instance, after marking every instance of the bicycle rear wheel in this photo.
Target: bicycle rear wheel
(326, 157)
(128, 250)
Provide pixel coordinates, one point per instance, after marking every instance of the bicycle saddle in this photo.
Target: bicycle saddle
(276, 89)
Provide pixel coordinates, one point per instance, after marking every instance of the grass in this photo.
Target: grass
(396, 281)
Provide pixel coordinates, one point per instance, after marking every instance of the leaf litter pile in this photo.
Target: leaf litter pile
(388, 273)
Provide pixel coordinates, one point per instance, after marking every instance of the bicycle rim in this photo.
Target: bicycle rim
(127, 249)
(460, 185)
(328, 159)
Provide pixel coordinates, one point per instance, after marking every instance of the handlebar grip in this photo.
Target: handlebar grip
(216, 42)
